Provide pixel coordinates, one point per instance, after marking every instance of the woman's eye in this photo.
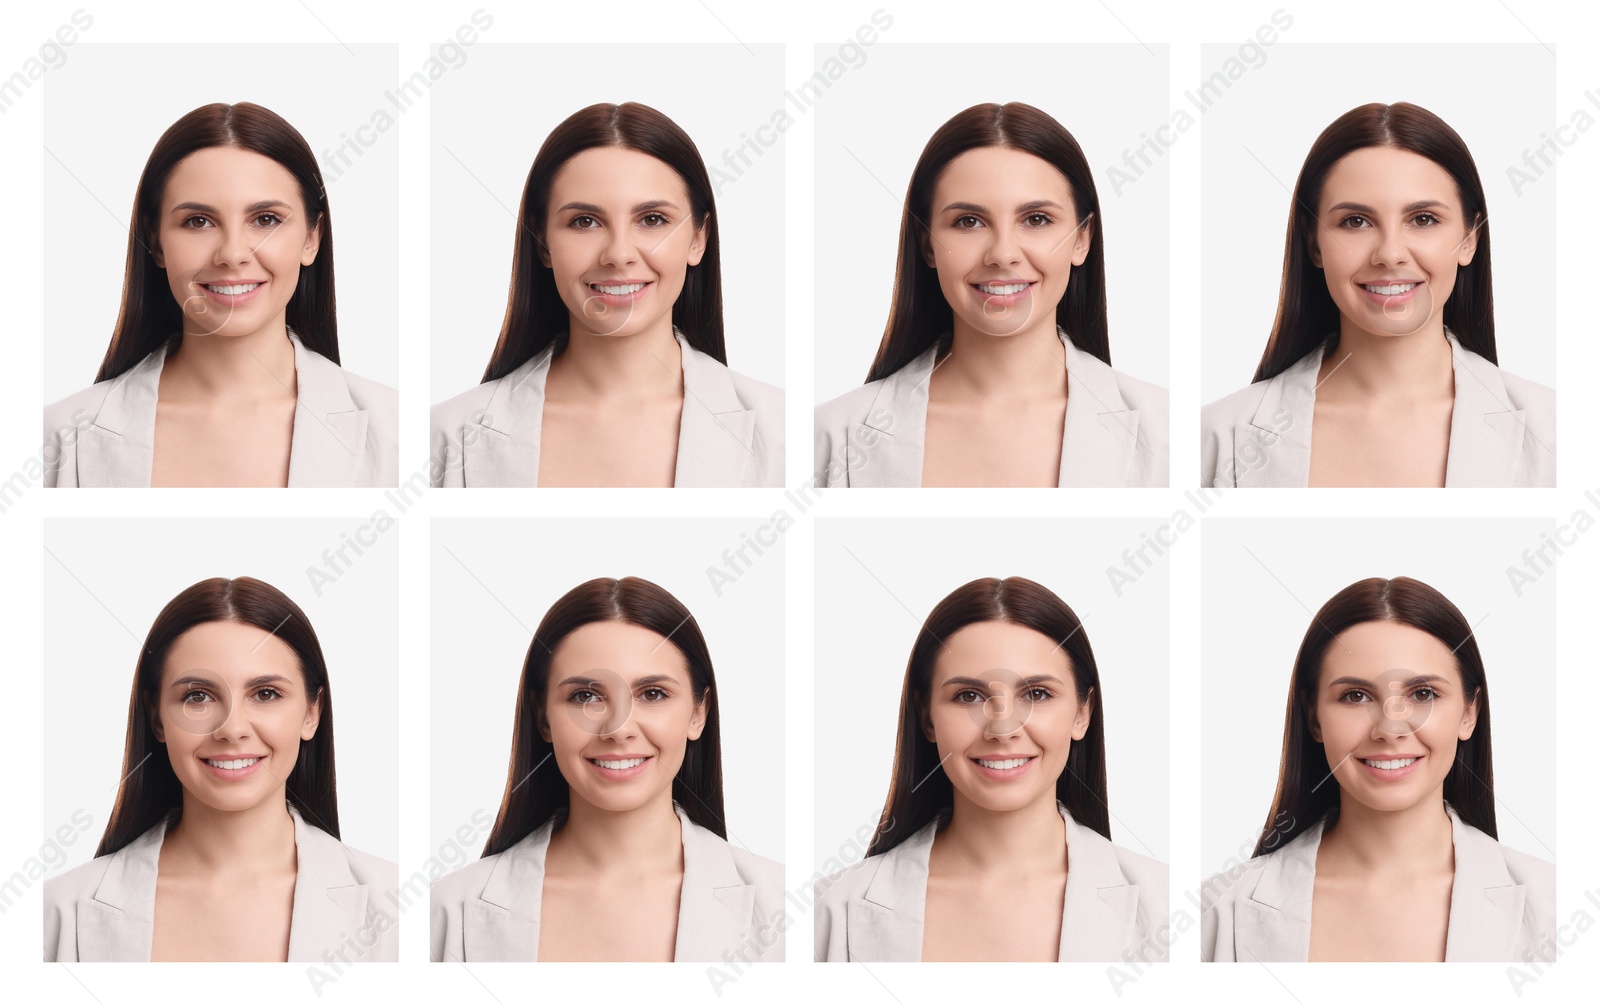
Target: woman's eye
(653, 694)
(966, 222)
(1038, 220)
(191, 221)
(583, 222)
(196, 697)
(271, 220)
(1353, 222)
(584, 696)
(1426, 219)
(653, 220)
(1353, 697)
(1424, 694)
(968, 697)
(268, 694)
(1037, 694)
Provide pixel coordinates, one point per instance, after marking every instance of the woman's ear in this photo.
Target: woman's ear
(1469, 244)
(1083, 240)
(541, 723)
(156, 253)
(308, 252)
(1313, 248)
(1312, 723)
(308, 728)
(543, 251)
(1469, 718)
(927, 722)
(697, 721)
(1080, 724)
(925, 243)
(697, 247)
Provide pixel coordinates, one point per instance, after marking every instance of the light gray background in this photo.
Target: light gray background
(1499, 98)
(103, 119)
(1264, 579)
(493, 581)
(876, 583)
(871, 127)
(491, 117)
(106, 580)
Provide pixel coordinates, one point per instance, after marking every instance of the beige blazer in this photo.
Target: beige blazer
(344, 900)
(1502, 903)
(1502, 429)
(730, 435)
(730, 908)
(1115, 903)
(346, 428)
(1115, 433)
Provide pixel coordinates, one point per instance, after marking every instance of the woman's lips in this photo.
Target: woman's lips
(1407, 291)
(988, 766)
(1369, 765)
(232, 774)
(619, 769)
(986, 292)
(617, 294)
(211, 292)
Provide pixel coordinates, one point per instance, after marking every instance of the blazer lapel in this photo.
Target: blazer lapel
(1098, 912)
(330, 432)
(503, 450)
(117, 924)
(330, 907)
(1293, 393)
(715, 907)
(503, 922)
(1485, 903)
(1273, 924)
(885, 924)
(1100, 437)
(1486, 433)
(118, 448)
(885, 450)
(716, 431)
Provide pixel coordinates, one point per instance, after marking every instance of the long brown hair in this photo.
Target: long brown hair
(535, 313)
(534, 792)
(150, 790)
(919, 790)
(1301, 797)
(150, 318)
(920, 316)
(1307, 316)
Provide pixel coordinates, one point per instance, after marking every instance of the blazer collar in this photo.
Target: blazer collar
(118, 922)
(1099, 438)
(1273, 924)
(330, 432)
(1486, 432)
(1097, 912)
(715, 907)
(715, 434)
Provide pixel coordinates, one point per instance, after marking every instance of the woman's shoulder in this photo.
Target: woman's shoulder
(764, 873)
(757, 394)
(1141, 870)
(87, 401)
(850, 408)
(78, 882)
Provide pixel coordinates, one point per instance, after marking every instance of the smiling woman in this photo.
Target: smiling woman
(617, 850)
(995, 839)
(223, 369)
(610, 368)
(995, 366)
(224, 842)
(1381, 366)
(1398, 860)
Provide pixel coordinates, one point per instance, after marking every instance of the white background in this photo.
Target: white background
(494, 115)
(871, 128)
(494, 580)
(876, 585)
(1485, 93)
(1261, 575)
(23, 504)
(106, 580)
(104, 117)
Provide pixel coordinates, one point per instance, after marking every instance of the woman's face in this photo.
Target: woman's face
(232, 237)
(232, 711)
(1004, 237)
(1390, 236)
(1389, 711)
(620, 238)
(619, 712)
(1003, 711)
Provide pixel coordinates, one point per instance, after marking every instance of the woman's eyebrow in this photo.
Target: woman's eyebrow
(1426, 678)
(1412, 208)
(1038, 678)
(188, 680)
(589, 207)
(972, 207)
(254, 207)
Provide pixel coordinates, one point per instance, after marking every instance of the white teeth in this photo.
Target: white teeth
(618, 291)
(632, 762)
(232, 291)
(1399, 762)
(1390, 290)
(1002, 289)
(243, 762)
(1010, 762)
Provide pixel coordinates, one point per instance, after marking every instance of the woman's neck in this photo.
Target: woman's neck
(238, 367)
(1029, 364)
(1406, 367)
(647, 839)
(982, 840)
(646, 365)
(1412, 841)
(242, 842)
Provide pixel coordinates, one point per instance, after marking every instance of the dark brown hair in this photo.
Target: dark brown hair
(919, 790)
(920, 316)
(150, 318)
(533, 796)
(535, 315)
(1301, 794)
(1307, 316)
(150, 790)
